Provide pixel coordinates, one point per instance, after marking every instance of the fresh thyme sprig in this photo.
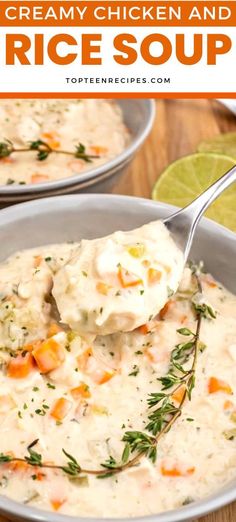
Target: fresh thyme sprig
(162, 410)
(44, 150)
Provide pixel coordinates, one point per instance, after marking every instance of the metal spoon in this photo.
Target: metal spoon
(182, 224)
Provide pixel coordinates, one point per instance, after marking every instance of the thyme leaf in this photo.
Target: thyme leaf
(44, 150)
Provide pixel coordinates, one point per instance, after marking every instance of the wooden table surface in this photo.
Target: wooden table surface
(179, 126)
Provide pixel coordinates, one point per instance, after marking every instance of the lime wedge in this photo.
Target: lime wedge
(221, 144)
(182, 181)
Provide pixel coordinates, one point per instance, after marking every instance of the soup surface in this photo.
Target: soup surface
(97, 125)
(59, 392)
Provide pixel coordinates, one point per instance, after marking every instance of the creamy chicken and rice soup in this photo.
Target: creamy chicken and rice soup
(66, 403)
(93, 128)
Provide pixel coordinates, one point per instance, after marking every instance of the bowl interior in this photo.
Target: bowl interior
(70, 218)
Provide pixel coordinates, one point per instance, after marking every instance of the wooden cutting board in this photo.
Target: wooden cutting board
(179, 126)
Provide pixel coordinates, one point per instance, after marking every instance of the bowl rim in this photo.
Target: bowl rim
(222, 496)
(128, 152)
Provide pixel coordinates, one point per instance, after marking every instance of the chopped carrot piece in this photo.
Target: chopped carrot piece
(60, 409)
(167, 268)
(83, 358)
(81, 391)
(211, 283)
(37, 261)
(39, 178)
(57, 503)
(49, 355)
(98, 149)
(175, 472)
(216, 385)
(54, 329)
(52, 139)
(179, 394)
(75, 165)
(228, 405)
(183, 319)
(136, 250)
(32, 346)
(20, 466)
(127, 278)
(164, 311)
(147, 327)
(105, 377)
(102, 288)
(6, 403)
(21, 366)
(154, 276)
(39, 476)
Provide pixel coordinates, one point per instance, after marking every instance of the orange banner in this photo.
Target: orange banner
(115, 94)
(118, 13)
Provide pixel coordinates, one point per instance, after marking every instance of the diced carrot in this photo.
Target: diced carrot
(54, 329)
(164, 311)
(39, 476)
(176, 472)
(52, 139)
(6, 403)
(81, 391)
(154, 276)
(105, 377)
(83, 358)
(136, 250)
(127, 278)
(21, 366)
(167, 268)
(211, 283)
(146, 263)
(98, 149)
(39, 178)
(228, 405)
(7, 160)
(76, 165)
(19, 466)
(31, 346)
(37, 261)
(60, 409)
(179, 394)
(49, 355)
(147, 327)
(102, 288)
(57, 503)
(216, 385)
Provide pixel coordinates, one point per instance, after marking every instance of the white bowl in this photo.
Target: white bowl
(66, 218)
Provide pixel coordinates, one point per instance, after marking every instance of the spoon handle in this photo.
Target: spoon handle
(183, 223)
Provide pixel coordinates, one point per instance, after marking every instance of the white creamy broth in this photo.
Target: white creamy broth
(87, 396)
(63, 124)
(118, 282)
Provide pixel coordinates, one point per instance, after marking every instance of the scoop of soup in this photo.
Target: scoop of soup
(118, 282)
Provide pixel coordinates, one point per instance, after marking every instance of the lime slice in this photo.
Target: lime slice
(182, 181)
(221, 144)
